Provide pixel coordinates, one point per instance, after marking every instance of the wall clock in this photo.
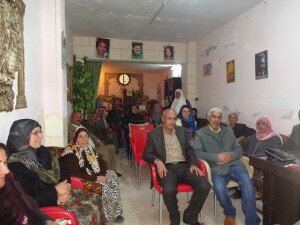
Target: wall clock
(124, 79)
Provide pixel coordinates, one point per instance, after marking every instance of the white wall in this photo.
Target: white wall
(44, 78)
(272, 25)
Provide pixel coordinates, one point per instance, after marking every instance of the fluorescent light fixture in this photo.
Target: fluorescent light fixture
(161, 6)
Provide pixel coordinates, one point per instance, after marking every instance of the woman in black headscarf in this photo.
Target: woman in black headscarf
(44, 178)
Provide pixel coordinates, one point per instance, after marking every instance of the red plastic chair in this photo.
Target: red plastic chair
(56, 212)
(181, 186)
(138, 141)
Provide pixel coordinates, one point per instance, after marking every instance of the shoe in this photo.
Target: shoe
(118, 174)
(229, 221)
(119, 219)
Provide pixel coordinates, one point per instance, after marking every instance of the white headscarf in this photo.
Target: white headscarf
(178, 102)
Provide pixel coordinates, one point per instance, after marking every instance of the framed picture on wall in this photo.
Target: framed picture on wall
(230, 71)
(261, 65)
(70, 83)
(169, 53)
(102, 47)
(137, 50)
(207, 70)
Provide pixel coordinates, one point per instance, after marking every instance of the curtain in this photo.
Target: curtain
(95, 67)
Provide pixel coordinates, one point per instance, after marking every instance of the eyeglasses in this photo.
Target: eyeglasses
(171, 118)
(37, 132)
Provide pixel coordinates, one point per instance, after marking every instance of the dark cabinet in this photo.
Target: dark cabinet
(170, 86)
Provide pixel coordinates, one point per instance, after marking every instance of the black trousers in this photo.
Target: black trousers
(180, 173)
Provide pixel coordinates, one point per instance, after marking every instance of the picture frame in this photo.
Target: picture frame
(168, 53)
(137, 50)
(230, 71)
(261, 65)
(102, 47)
(207, 70)
(70, 83)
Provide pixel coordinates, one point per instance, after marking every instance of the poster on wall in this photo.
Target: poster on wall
(261, 65)
(102, 47)
(207, 70)
(230, 71)
(137, 50)
(169, 53)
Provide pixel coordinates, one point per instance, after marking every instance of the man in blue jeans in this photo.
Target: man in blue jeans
(218, 146)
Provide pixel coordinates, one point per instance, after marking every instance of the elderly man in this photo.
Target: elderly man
(240, 130)
(293, 141)
(168, 147)
(108, 152)
(218, 146)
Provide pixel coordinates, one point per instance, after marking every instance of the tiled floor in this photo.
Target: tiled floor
(137, 203)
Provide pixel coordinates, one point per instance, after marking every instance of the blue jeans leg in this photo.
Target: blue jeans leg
(220, 187)
(240, 175)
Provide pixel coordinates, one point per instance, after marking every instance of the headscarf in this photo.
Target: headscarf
(269, 131)
(189, 122)
(90, 154)
(20, 151)
(178, 102)
(156, 117)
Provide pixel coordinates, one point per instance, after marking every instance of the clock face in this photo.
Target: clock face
(124, 79)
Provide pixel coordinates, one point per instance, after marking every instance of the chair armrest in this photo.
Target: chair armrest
(55, 212)
(154, 175)
(76, 183)
(202, 167)
(250, 169)
(208, 171)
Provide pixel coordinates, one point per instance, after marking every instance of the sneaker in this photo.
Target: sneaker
(119, 219)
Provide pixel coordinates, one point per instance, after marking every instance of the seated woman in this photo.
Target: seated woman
(156, 115)
(44, 178)
(82, 161)
(185, 119)
(16, 206)
(264, 138)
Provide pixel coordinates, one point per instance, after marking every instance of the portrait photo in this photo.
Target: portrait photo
(169, 52)
(137, 50)
(230, 71)
(261, 65)
(207, 70)
(102, 47)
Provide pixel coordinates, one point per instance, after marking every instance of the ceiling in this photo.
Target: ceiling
(152, 20)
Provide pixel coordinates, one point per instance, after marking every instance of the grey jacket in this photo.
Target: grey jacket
(208, 145)
(155, 146)
(293, 141)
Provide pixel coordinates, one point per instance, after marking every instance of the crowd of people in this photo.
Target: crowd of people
(32, 177)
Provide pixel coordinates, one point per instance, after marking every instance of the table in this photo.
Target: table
(281, 192)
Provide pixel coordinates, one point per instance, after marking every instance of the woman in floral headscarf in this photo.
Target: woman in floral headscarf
(264, 138)
(186, 120)
(44, 178)
(82, 161)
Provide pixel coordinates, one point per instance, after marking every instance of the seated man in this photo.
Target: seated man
(168, 147)
(240, 130)
(108, 152)
(218, 146)
(293, 141)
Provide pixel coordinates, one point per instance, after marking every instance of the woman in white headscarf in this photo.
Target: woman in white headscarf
(179, 101)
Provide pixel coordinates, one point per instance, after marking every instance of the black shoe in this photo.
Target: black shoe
(119, 219)
(118, 174)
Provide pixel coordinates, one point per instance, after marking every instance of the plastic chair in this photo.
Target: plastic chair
(138, 141)
(181, 186)
(56, 212)
(231, 183)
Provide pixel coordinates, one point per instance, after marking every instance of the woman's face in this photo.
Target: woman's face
(186, 112)
(102, 49)
(82, 139)
(36, 138)
(3, 167)
(168, 52)
(134, 109)
(177, 94)
(262, 127)
(158, 109)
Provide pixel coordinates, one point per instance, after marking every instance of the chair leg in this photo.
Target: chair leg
(153, 196)
(200, 218)
(187, 197)
(139, 176)
(160, 208)
(215, 207)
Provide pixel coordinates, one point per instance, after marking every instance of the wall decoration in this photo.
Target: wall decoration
(208, 50)
(207, 70)
(230, 71)
(70, 83)
(169, 53)
(11, 54)
(102, 47)
(137, 50)
(261, 65)
(63, 50)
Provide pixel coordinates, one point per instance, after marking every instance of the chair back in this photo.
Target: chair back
(138, 140)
